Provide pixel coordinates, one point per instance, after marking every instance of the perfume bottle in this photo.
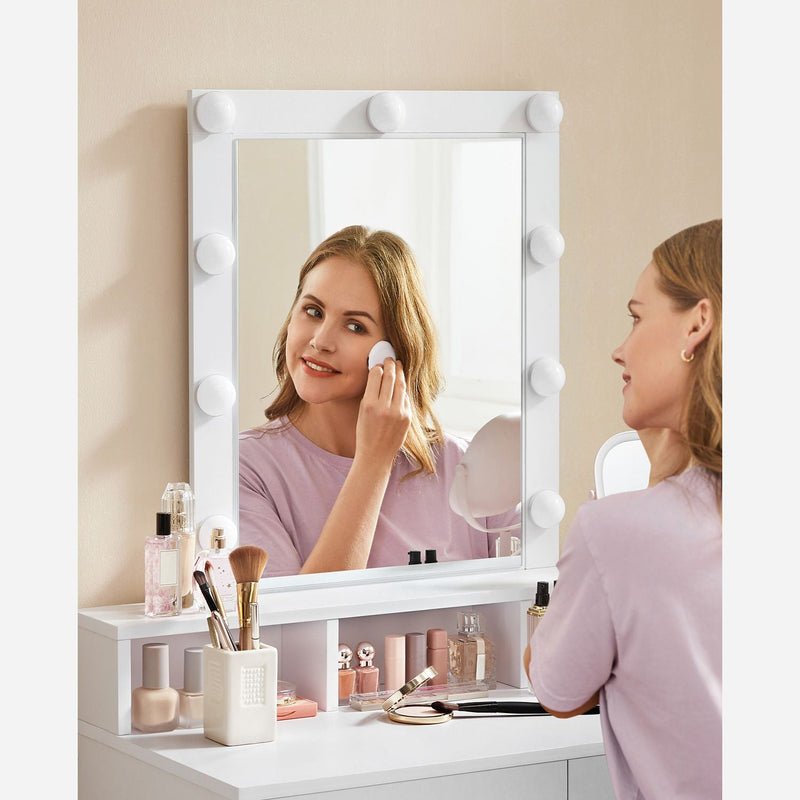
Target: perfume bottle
(222, 581)
(471, 652)
(178, 501)
(154, 704)
(190, 698)
(162, 571)
(539, 606)
(347, 675)
(367, 674)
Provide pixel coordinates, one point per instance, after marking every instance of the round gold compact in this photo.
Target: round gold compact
(414, 713)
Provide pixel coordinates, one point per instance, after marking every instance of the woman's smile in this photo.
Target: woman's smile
(319, 369)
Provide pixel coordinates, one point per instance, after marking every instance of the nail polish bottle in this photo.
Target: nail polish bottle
(430, 557)
(538, 607)
(190, 698)
(178, 501)
(154, 704)
(394, 661)
(436, 655)
(162, 571)
(347, 676)
(414, 557)
(367, 674)
(471, 652)
(415, 654)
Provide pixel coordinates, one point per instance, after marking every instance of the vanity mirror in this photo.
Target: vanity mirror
(468, 179)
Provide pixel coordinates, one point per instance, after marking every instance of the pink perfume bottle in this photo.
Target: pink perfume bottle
(162, 570)
(221, 579)
(366, 673)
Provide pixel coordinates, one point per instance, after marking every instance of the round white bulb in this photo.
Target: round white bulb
(215, 395)
(546, 376)
(545, 245)
(546, 509)
(544, 112)
(386, 112)
(206, 530)
(215, 112)
(215, 253)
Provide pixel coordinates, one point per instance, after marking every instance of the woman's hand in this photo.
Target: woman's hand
(384, 415)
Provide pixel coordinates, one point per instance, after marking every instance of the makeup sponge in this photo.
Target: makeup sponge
(379, 352)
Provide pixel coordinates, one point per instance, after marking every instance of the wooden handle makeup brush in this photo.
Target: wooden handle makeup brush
(247, 564)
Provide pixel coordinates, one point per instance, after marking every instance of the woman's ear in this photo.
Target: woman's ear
(701, 321)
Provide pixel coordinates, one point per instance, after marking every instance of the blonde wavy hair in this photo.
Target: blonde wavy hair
(689, 266)
(409, 327)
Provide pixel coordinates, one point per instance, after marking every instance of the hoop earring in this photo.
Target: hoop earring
(684, 358)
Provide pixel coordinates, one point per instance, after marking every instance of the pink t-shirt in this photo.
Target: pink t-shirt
(288, 485)
(637, 610)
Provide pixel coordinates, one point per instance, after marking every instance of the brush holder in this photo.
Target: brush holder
(240, 694)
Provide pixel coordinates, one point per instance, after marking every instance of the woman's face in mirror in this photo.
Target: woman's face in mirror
(334, 324)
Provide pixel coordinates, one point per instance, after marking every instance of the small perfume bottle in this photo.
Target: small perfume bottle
(178, 501)
(223, 582)
(190, 698)
(471, 652)
(539, 606)
(162, 571)
(347, 675)
(367, 675)
(154, 704)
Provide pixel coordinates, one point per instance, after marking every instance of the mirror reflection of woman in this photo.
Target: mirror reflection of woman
(352, 469)
(635, 621)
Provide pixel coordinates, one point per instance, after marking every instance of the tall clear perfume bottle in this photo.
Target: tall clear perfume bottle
(178, 501)
(222, 580)
(162, 571)
(471, 653)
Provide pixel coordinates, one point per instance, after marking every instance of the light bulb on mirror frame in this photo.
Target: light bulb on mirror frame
(215, 112)
(546, 509)
(215, 395)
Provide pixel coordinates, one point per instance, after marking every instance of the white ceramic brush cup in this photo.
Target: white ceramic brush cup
(240, 694)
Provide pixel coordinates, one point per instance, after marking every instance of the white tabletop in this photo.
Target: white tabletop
(346, 748)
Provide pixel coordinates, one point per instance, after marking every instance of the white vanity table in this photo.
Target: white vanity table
(342, 752)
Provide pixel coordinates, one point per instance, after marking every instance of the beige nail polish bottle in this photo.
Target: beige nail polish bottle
(154, 704)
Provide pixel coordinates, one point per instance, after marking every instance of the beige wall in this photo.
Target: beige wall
(640, 81)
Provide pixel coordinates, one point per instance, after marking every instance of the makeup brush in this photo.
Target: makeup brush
(209, 570)
(499, 707)
(247, 564)
(200, 579)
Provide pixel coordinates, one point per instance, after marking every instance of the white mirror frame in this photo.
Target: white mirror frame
(216, 120)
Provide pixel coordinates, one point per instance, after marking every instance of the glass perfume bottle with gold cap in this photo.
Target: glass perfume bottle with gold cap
(471, 653)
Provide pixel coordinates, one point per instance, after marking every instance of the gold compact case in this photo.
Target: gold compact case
(414, 714)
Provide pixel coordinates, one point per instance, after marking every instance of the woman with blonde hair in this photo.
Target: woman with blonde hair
(635, 622)
(352, 469)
